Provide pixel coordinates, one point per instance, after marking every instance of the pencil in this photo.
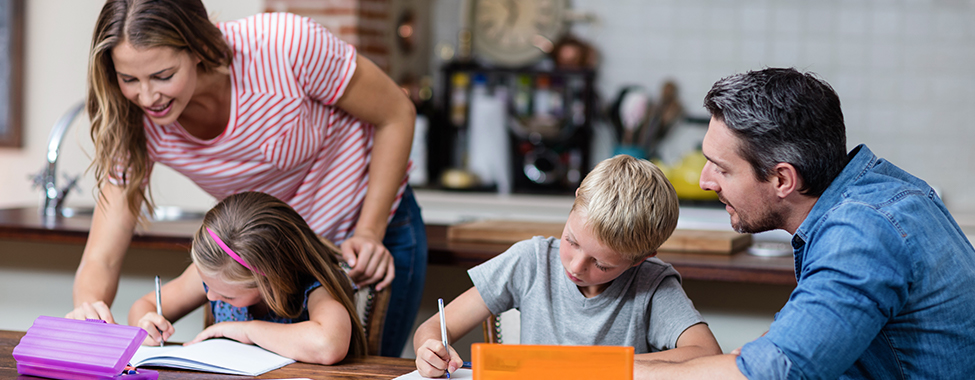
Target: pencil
(159, 306)
(443, 332)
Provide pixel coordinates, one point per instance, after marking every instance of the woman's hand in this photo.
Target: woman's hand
(97, 310)
(432, 359)
(158, 327)
(370, 261)
(231, 330)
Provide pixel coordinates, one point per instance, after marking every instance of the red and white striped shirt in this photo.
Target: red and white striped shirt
(284, 136)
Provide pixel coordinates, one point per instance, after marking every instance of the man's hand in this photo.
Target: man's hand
(97, 310)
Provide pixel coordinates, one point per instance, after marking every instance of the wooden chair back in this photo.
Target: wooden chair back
(373, 315)
(503, 328)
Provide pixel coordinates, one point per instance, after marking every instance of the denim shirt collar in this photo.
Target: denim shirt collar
(861, 160)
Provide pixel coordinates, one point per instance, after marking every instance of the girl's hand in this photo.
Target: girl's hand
(432, 361)
(231, 330)
(154, 323)
(370, 261)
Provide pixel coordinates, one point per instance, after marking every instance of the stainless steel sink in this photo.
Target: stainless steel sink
(159, 214)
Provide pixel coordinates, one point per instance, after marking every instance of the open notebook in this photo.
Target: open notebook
(212, 355)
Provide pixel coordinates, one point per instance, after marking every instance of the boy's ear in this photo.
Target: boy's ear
(640, 261)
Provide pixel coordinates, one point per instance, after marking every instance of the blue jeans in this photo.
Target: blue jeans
(406, 240)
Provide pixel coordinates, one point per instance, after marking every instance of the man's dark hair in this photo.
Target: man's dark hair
(782, 115)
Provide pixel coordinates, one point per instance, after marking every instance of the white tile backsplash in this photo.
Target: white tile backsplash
(950, 25)
(853, 22)
(819, 20)
(787, 20)
(722, 19)
(754, 18)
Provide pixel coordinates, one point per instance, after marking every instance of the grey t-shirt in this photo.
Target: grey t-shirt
(644, 307)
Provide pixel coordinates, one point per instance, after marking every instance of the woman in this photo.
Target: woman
(271, 103)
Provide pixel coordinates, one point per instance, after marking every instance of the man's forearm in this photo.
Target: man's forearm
(708, 367)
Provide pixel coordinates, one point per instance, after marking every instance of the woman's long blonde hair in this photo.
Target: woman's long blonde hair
(116, 122)
(285, 254)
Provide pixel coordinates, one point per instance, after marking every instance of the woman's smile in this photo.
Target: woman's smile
(159, 111)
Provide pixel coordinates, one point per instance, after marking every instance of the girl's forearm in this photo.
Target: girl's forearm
(140, 308)
(305, 341)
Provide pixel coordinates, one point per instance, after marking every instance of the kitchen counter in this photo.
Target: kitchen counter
(26, 224)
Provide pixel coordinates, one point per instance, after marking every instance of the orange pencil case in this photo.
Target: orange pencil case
(517, 361)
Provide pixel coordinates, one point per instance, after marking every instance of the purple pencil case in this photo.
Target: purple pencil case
(61, 348)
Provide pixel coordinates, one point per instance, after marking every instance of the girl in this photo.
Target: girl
(271, 103)
(271, 281)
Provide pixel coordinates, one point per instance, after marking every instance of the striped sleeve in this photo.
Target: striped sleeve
(323, 64)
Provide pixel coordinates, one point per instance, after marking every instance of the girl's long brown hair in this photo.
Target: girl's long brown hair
(116, 122)
(273, 239)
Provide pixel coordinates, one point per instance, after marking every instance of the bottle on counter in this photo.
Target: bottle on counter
(458, 99)
(542, 98)
(577, 100)
(522, 95)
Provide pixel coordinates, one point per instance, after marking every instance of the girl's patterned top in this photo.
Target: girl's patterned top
(225, 312)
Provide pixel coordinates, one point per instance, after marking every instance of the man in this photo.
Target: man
(886, 278)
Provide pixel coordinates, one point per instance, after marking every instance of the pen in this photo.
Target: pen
(443, 331)
(159, 306)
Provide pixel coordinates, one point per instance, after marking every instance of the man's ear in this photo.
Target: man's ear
(785, 179)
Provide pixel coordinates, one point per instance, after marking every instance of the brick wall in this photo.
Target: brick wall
(366, 24)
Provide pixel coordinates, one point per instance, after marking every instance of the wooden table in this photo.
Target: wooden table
(370, 368)
(27, 224)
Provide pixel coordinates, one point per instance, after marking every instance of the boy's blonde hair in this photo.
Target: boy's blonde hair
(629, 205)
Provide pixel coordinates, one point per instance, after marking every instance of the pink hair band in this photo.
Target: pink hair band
(231, 252)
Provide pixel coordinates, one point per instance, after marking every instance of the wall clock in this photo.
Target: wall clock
(516, 32)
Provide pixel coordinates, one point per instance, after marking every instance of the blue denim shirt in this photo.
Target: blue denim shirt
(886, 286)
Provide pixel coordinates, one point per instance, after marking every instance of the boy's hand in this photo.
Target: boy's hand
(231, 330)
(154, 323)
(431, 359)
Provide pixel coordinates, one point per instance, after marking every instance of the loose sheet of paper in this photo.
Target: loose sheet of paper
(461, 373)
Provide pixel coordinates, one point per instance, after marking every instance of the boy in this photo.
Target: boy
(596, 286)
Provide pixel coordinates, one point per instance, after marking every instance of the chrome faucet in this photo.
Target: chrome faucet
(46, 180)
